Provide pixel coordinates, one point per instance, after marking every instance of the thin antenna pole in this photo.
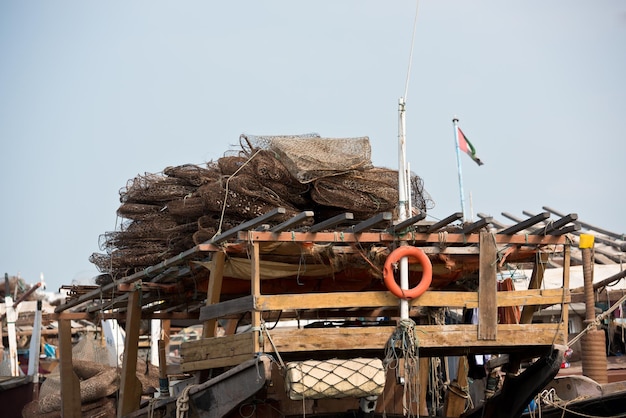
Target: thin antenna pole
(455, 121)
(402, 201)
(408, 72)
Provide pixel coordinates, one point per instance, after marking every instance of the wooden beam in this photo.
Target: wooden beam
(70, 386)
(149, 272)
(536, 279)
(434, 339)
(394, 229)
(210, 353)
(383, 217)
(251, 224)
(332, 222)
(468, 229)
(130, 386)
(487, 288)
(462, 337)
(382, 237)
(525, 224)
(376, 299)
(227, 308)
(294, 221)
(214, 291)
(445, 222)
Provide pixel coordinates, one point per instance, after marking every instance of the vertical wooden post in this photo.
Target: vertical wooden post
(163, 380)
(455, 398)
(423, 385)
(535, 283)
(487, 288)
(256, 292)
(214, 291)
(70, 386)
(165, 330)
(130, 387)
(565, 306)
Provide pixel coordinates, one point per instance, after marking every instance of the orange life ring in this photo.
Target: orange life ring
(412, 253)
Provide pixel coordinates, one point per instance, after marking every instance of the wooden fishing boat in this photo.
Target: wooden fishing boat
(328, 280)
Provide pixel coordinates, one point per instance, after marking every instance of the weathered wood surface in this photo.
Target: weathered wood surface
(209, 353)
(232, 349)
(487, 288)
(411, 237)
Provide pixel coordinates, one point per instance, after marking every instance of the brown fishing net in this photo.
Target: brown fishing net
(167, 213)
(99, 382)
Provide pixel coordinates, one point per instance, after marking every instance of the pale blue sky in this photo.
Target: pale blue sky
(94, 93)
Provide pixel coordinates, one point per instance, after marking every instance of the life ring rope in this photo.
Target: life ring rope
(415, 254)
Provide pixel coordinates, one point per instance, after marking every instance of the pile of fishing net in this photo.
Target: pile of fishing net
(167, 213)
(99, 383)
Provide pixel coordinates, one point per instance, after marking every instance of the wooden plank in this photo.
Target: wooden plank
(216, 347)
(229, 307)
(463, 337)
(130, 386)
(444, 222)
(251, 224)
(213, 363)
(536, 279)
(383, 217)
(487, 288)
(294, 221)
(332, 222)
(70, 386)
(216, 352)
(384, 299)
(394, 229)
(214, 290)
(525, 224)
(381, 237)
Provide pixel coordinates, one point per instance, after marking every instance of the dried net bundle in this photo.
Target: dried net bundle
(309, 157)
(99, 381)
(165, 214)
(194, 175)
(151, 188)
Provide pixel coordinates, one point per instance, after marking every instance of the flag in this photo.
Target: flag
(467, 146)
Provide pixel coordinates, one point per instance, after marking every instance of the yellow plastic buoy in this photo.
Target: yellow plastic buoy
(585, 241)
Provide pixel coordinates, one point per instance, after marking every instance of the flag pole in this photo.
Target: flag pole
(455, 121)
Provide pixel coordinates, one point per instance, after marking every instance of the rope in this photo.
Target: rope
(182, 402)
(598, 320)
(550, 398)
(403, 344)
(219, 228)
(269, 337)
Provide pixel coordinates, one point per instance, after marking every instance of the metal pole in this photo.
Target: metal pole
(11, 319)
(455, 121)
(402, 202)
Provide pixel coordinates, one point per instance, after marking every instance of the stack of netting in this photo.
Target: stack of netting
(167, 213)
(99, 382)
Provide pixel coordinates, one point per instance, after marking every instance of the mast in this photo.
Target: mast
(403, 201)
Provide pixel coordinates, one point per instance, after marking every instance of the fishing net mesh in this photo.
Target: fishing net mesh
(312, 379)
(167, 213)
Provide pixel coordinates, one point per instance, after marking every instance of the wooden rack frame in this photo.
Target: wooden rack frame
(486, 337)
